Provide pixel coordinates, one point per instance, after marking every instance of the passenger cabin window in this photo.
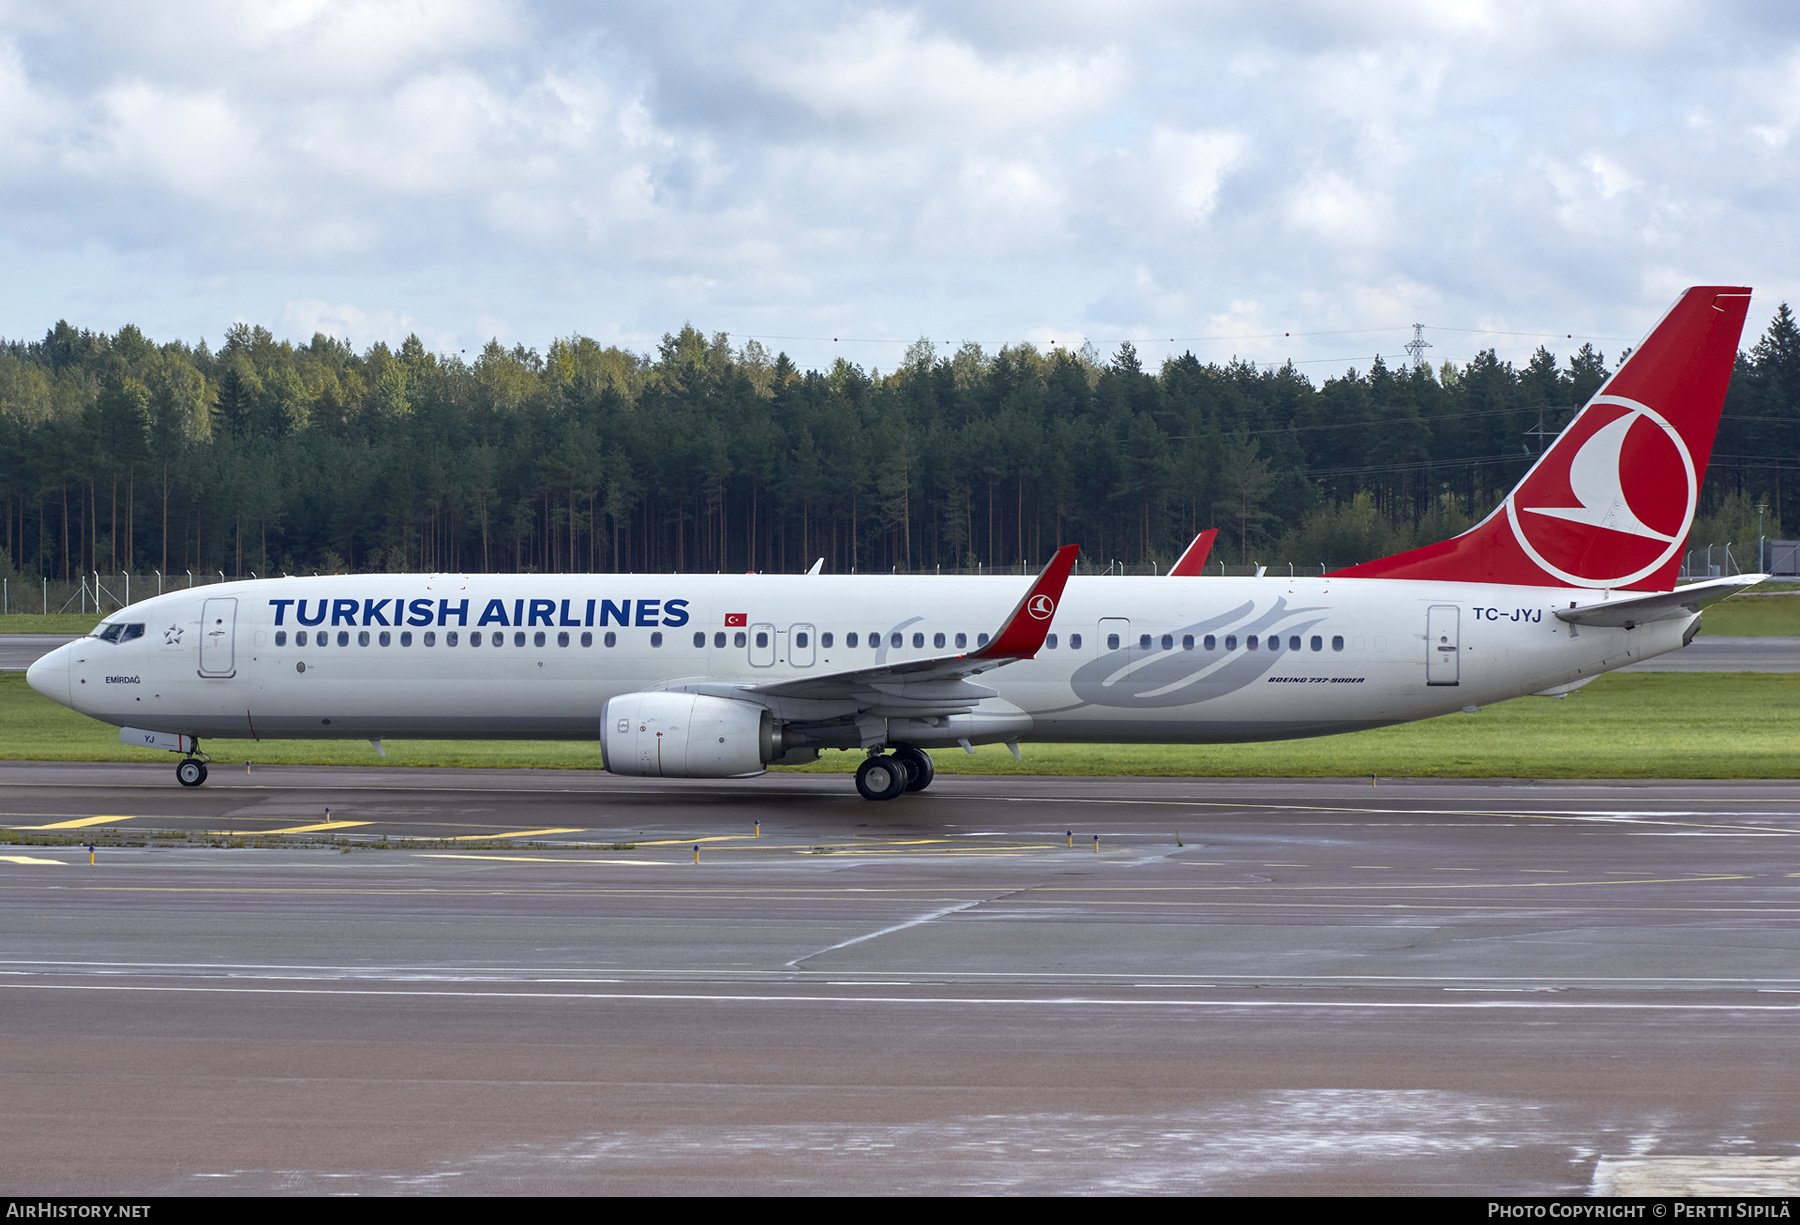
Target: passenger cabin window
(700, 638)
(343, 638)
(718, 640)
(1074, 642)
(1337, 642)
(850, 639)
(1187, 642)
(1318, 643)
(562, 638)
(918, 641)
(762, 638)
(937, 640)
(362, 638)
(1250, 643)
(474, 639)
(611, 639)
(1210, 643)
(1231, 642)
(1049, 641)
(450, 639)
(1168, 642)
(1143, 642)
(537, 639)
(519, 639)
(587, 638)
(1112, 642)
(656, 639)
(280, 638)
(801, 639)
(1294, 642)
(405, 638)
(962, 640)
(430, 638)
(385, 639)
(737, 640)
(981, 640)
(825, 640)
(896, 640)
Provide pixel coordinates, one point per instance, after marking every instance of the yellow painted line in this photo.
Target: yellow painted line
(29, 859)
(521, 833)
(76, 824)
(636, 863)
(313, 829)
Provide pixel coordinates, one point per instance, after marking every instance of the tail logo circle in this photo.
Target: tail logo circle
(1041, 607)
(1612, 501)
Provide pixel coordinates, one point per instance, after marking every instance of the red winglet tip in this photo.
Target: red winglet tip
(1023, 633)
(1190, 563)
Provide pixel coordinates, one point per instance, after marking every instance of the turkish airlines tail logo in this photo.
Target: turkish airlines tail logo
(1612, 501)
(1609, 505)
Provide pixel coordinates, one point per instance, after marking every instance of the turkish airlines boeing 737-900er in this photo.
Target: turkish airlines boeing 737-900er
(709, 676)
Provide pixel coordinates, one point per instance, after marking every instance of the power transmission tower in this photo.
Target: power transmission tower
(1419, 344)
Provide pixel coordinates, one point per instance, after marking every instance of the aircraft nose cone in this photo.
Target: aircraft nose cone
(50, 675)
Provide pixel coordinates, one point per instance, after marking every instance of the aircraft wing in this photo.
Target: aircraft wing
(1020, 636)
(1657, 606)
(928, 688)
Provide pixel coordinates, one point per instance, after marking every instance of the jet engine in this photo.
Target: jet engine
(686, 735)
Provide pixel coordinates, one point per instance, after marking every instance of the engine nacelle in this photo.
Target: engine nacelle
(686, 735)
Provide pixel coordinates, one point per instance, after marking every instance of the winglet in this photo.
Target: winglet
(1195, 557)
(1025, 627)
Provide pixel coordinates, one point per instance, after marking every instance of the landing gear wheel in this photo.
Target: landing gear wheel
(190, 773)
(882, 778)
(918, 767)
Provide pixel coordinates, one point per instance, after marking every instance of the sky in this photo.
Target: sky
(1273, 182)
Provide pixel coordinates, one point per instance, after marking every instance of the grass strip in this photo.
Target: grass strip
(1624, 725)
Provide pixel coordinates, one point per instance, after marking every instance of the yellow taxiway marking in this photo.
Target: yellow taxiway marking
(28, 859)
(75, 824)
(519, 833)
(636, 863)
(313, 829)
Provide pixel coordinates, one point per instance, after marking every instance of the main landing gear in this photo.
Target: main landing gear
(192, 770)
(885, 776)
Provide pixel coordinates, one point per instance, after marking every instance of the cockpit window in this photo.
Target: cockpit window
(134, 630)
(118, 631)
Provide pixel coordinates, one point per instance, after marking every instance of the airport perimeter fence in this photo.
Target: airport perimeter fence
(93, 594)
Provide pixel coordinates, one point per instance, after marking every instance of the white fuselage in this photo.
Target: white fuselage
(1131, 660)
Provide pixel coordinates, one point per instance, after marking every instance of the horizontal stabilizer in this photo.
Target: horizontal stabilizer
(1662, 606)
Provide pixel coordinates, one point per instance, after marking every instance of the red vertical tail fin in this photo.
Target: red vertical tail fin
(1610, 503)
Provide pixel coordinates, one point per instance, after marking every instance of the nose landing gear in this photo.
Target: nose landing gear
(191, 772)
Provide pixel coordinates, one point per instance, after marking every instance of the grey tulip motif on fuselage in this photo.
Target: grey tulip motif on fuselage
(1131, 677)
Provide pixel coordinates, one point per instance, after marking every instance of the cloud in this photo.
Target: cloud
(808, 167)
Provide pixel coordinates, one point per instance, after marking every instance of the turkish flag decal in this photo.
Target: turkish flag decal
(737, 618)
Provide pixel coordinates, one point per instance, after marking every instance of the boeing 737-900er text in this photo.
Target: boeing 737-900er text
(721, 676)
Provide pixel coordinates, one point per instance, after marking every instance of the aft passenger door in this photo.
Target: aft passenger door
(218, 637)
(1441, 645)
